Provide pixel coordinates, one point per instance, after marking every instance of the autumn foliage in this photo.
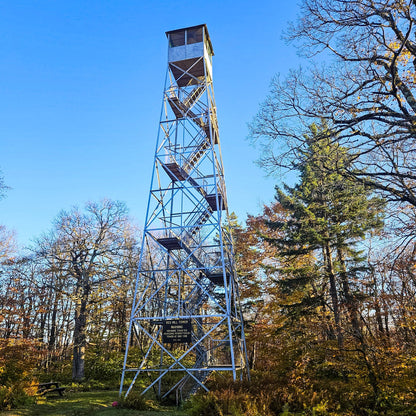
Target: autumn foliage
(18, 363)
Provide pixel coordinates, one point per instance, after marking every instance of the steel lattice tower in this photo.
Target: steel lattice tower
(186, 308)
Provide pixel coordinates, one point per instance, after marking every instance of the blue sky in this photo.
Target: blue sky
(81, 87)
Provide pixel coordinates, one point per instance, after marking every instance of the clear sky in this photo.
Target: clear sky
(81, 87)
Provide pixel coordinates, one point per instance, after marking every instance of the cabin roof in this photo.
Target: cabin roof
(194, 27)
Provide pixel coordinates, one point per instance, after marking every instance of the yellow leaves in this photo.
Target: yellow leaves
(402, 59)
(395, 45)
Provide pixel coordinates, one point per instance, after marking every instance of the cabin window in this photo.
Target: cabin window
(194, 35)
(177, 39)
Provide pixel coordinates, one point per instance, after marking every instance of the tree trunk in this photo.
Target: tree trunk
(80, 339)
(350, 302)
(353, 314)
(52, 334)
(329, 268)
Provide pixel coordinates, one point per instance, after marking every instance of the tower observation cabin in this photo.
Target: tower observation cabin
(186, 48)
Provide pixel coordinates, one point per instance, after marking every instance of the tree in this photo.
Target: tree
(257, 261)
(7, 237)
(365, 91)
(321, 263)
(20, 300)
(89, 250)
(3, 186)
(7, 243)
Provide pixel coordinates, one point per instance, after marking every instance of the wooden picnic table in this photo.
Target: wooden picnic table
(50, 387)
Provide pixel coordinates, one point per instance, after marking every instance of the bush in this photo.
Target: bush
(12, 397)
(17, 364)
(58, 369)
(103, 367)
(204, 405)
(135, 401)
(229, 402)
(18, 359)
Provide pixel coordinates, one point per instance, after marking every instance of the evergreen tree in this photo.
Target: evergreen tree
(329, 215)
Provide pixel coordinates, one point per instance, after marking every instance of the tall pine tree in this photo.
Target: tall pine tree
(329, 216)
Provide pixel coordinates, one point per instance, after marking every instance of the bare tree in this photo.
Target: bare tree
(89, 250)
(365, 91)
(7, 243)
(7, 237)
(3, 186)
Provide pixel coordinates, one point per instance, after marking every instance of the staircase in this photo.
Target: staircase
(182, 109)
(183, 171)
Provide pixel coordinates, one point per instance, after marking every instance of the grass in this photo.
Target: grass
(92, 403)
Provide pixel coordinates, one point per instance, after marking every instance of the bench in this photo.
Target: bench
(51, 387)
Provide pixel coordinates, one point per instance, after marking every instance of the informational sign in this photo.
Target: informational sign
(176, 331)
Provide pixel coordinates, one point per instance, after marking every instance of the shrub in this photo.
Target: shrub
(12, 397)
(58, 369)
(135, 401)
(103, 367)
(17, 364)
(204, 405)
(18, 359)
(224, 402)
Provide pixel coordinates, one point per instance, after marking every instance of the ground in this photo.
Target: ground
(86, 404)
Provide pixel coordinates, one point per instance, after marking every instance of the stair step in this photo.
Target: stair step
(175, 172)
(170, 243)
(212, 202)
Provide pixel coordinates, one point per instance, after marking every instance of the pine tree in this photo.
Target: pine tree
(329, 216)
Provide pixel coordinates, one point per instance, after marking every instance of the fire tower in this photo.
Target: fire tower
(186, 312)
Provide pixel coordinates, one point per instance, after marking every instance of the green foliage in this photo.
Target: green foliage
(14, 396)
(103, 365)
(310, 380)
(57, 370)
(89, 385)
(230, 401)
(135, 401)
(322, 274)
(92, 403)
(102, 370)
(204, 405)
(285, 411)
(242, 398)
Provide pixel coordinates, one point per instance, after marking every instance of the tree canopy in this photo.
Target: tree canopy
(361, 80)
